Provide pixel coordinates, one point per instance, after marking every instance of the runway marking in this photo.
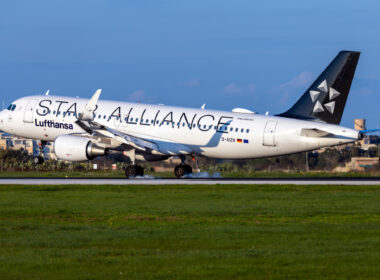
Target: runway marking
(225, 181)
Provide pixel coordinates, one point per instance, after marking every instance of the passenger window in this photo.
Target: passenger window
(247, 130)
(231, 129)
(183, 124)
(194, 125)
(13, 107)
(104, 117)
(137, 120)
(54, 112)
(242, 130)
(236, 130)
(147, 121)
(157, 122)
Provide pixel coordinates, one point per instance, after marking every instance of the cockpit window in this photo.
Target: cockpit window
(11, 107)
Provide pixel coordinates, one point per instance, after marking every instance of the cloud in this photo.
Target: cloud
(192, 82)
(301, 80)
(137, 95)
(252, 87)
(232, 88)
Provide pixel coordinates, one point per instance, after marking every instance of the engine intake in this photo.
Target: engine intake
(75, 148)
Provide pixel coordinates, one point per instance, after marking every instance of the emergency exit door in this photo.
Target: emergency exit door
(29, 110)
(270, 133)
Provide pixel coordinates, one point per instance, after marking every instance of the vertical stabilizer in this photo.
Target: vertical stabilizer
(326, 97)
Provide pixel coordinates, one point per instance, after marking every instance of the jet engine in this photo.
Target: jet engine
(75, 148)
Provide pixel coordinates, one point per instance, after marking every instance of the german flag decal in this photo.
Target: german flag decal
(245, 141)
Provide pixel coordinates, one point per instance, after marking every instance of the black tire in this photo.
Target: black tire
(188, 169)
(130, 171)
(38, 160)
(179, 171)
(139, 170)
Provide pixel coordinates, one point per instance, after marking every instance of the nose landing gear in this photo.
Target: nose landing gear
(40, 158)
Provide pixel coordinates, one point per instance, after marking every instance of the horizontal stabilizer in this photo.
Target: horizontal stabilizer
(369, 130)
(314, 132)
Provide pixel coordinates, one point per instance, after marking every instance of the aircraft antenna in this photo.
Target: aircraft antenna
(47, 92)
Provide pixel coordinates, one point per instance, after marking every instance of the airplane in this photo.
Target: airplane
(83, 129)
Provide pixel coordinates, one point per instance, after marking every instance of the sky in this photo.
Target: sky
(258, 55)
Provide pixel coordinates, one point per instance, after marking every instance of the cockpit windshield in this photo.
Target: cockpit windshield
(11, 107)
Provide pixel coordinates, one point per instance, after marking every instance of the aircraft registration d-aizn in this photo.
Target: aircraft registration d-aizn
(86, 128)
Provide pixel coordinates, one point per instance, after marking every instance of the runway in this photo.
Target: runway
(219, 181)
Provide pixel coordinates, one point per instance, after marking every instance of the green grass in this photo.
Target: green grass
(190, 232)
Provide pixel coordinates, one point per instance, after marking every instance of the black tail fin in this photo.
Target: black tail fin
(325, 99)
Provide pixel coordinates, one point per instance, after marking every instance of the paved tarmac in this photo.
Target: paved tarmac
(153, 181)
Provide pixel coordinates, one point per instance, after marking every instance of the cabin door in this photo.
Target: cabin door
(29, 110)
(269, 133)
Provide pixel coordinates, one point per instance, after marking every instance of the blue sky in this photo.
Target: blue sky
(227, 54)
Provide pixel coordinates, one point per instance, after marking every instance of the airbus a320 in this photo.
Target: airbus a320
(82, 129)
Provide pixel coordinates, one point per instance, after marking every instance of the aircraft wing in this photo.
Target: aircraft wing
(115, 137)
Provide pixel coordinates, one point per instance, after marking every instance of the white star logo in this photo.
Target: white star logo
(330, 107)
(318, 107)
(323, 86)
(314, 95)
(333, 93)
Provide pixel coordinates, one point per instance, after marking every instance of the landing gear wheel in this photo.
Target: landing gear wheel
(189, 170)
(130, 171)
(38, 160)
(182, 169)
(179, 171)
(133, 171)
(139, 170)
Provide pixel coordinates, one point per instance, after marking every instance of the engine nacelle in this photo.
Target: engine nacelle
(75, 148)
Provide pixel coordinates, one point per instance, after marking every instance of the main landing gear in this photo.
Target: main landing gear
(40, 159)
(133, 170)
(182, 169)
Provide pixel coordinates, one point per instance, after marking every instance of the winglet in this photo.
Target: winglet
(87, 113)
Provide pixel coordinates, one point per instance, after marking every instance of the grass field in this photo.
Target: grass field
(190, 232)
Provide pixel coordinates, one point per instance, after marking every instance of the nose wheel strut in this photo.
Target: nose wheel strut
(40, 158)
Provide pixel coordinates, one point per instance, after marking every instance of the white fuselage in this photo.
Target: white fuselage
(216, 134)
